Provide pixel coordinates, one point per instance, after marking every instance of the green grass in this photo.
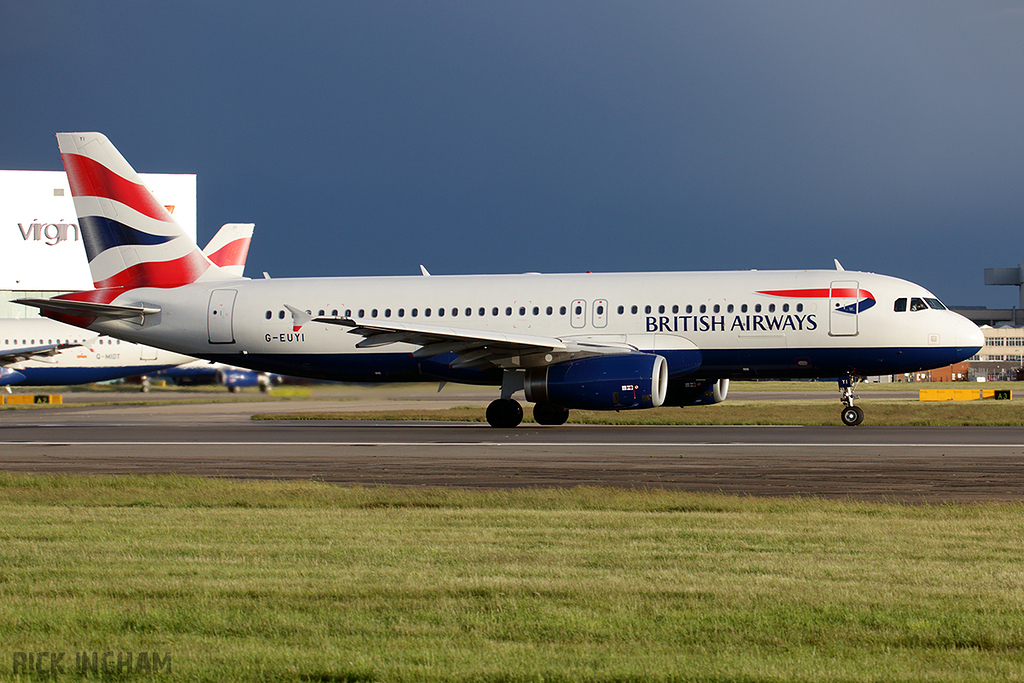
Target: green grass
(879, 412)
(302, 581)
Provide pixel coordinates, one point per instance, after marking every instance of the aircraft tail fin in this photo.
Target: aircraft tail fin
(230, 247)
(131, 240)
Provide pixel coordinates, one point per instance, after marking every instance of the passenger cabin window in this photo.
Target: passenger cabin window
(900, 306)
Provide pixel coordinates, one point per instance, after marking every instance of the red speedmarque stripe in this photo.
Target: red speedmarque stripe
(162, 274)
(231, 254)
(89, 178)
(819, 293)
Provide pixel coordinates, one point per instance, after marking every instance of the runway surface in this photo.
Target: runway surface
(912, 464)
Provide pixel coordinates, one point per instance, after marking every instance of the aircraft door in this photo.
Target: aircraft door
(578, 313)
(222, 305)
(601, 313)
(843, 303)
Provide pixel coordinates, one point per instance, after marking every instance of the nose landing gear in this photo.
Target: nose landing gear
(851, 415)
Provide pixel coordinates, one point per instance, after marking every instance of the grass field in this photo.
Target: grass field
(303, 581)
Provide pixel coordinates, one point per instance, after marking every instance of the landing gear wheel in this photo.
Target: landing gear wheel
(852, 415)
(504, 412)
(547, 414)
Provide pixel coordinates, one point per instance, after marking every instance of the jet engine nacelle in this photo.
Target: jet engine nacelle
(9, 376)
(636, 380)
(236, 378)
(697, 392)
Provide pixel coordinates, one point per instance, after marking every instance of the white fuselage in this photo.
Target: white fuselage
(94, 359)
(740, 324)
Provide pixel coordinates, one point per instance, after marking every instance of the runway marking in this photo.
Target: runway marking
(546, 444)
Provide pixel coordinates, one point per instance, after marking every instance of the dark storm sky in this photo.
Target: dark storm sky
(370, 137)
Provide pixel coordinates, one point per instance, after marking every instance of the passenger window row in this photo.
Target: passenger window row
(715, 308)
(523, 311)
(25, 342)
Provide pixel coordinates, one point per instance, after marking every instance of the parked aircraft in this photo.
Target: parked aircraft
(42, 352)
(612, 341)
(200, 372)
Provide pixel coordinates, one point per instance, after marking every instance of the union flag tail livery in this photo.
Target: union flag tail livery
(131, 240)
(587, 341)
(230, 247)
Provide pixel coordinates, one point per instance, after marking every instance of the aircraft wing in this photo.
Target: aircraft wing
(473, 348)
(41, 352)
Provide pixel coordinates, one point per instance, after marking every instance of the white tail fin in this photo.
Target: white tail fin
(130, 238)
(230, 246)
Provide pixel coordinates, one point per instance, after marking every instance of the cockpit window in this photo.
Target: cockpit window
(900, 306)
(917, 304)
(936, 304)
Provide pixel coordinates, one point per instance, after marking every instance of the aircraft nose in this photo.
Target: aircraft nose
(969, 336)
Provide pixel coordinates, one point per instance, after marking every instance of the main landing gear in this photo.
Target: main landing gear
(507, 413)
(504, 412)
(851, 415)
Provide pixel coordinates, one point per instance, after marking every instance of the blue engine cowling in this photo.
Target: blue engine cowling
(636, 380)
(9, 376)
(696, 392)
(238, 377)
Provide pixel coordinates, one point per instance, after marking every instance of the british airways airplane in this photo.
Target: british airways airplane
(41, 352)
(613, 341)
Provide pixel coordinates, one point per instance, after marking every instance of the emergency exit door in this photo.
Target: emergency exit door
(222, 306)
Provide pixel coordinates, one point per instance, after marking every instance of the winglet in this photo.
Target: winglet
(299, 317)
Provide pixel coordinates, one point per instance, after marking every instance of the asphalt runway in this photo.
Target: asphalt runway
(911, 464)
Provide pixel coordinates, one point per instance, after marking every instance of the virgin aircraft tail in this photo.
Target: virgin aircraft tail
(131, 240)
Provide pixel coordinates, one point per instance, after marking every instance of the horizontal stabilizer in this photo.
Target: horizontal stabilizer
(108, 311)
